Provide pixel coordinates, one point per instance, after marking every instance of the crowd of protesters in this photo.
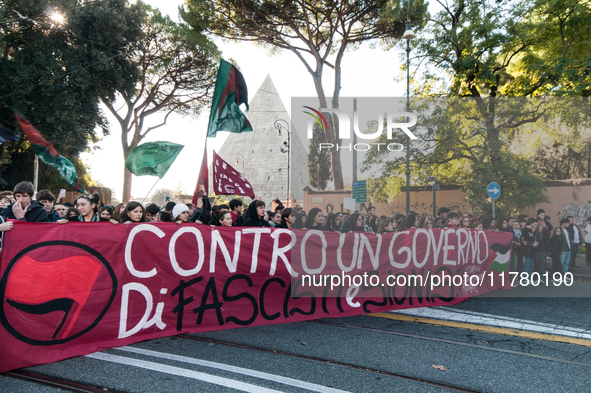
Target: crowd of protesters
(534, 238)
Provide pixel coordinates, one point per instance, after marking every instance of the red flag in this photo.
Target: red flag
(43, 287)
(203, 174)
(228, 181)
(34, 136)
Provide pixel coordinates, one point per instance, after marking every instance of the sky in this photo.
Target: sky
(366, 72)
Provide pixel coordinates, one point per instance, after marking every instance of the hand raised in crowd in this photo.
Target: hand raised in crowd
(179, 222)
(7, 226)
(18, 211)
(114, 222)
(127, 222)
(62, 221)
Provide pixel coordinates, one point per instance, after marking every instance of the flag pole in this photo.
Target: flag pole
(35, 173)
(157, 180)
(204, 162)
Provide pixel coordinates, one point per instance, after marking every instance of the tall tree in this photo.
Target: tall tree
(54, 72)
(318, 32)
(480, 50)
(176, 72)
(318, 161)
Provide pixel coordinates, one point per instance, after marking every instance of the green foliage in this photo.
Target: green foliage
(54, 73)
(559, 61)
(318, 161)
(176, 74)
(486, 51)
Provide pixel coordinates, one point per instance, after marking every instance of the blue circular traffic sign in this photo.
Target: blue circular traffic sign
(493, 190)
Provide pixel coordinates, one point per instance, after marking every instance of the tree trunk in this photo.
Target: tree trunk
(126, 185)
(335, 156)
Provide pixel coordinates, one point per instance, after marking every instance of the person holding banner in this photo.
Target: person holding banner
(386, 226)
(355, 223)
(88, 210)
(275, 218)
(235, 209)
(224, 219)
(287, 218)
(24, 209)
(180, 213)
(134, 212)
(46, 198)
(4, 226)
(256, 212)
(107, 212)
(314, 220)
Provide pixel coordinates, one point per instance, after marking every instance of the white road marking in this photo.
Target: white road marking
(238, 370)
(449, 314)
(163, 368)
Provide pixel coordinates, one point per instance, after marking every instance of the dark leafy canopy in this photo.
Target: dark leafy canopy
(318, 32)
(486, 51)
(54, 73)
(176, 74)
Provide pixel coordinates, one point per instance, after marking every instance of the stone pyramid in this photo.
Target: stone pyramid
(265, 166)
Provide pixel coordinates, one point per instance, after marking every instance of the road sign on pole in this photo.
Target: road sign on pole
(359, 191)
(494, 191)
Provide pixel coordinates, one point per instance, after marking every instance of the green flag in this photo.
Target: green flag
(230, 91)
(152, 158)
(48, 154)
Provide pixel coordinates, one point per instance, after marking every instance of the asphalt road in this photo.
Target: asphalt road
(496, 347)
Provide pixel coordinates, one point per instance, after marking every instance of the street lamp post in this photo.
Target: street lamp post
(408, 35)
(434, 186)
(286, 148)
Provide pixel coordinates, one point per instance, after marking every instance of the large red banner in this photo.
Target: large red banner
(69, 290)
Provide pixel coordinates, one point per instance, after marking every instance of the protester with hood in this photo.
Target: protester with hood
(24, 209)
(256, 212)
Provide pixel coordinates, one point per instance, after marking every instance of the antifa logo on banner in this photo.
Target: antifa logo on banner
(62, 288)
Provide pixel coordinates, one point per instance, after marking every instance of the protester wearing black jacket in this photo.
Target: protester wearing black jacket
(255, 213)
(555, 247)
(287, 219)
(313, 220)
(577, 238)
(34, 213)
(24, 209)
